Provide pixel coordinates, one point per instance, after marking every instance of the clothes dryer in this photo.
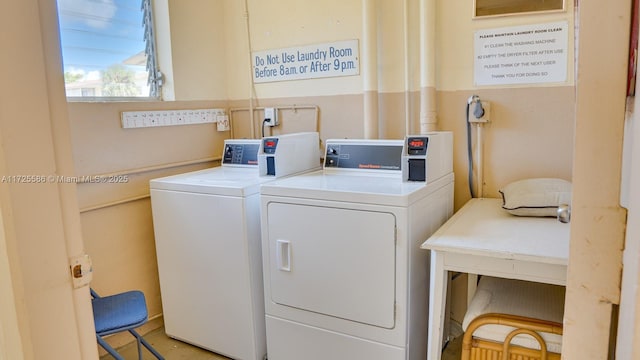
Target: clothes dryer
(207, 236)
(344, 275)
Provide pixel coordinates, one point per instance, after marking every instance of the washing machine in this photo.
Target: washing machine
(344, 276)
(207, 237)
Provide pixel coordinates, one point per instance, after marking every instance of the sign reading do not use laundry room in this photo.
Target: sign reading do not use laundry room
(307, 62)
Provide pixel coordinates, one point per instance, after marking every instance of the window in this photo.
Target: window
(108, 49)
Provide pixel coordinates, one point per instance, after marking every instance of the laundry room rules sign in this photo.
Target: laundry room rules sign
(307, 62)
(521, 55)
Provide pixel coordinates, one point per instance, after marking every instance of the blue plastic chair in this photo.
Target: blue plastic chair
(121, 312)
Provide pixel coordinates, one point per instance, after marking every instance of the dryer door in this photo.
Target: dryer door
(333, 261)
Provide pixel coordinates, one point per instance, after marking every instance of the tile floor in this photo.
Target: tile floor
(173, 349)
(170, 348)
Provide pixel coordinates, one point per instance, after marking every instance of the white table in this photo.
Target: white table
(483, 239)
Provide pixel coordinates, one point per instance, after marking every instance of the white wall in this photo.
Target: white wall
(628, 346)
(455, 41)
(10, 340)
(287, 23)
(190, 48)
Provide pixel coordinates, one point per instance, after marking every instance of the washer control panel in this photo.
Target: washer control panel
(240, 152)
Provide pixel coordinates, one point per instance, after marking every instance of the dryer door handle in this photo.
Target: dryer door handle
(283, 255)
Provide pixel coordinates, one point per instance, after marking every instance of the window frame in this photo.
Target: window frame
(155, 77)
(476, 15)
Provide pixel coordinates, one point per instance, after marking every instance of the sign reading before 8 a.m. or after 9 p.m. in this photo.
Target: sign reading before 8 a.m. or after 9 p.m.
(339, 58)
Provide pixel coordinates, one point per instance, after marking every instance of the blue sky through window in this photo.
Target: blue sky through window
(96, 34)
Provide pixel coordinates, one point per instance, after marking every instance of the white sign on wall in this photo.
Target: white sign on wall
(307, 62)
(521, 54)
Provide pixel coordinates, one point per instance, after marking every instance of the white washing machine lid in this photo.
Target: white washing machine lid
(230, 181)
(388, 189)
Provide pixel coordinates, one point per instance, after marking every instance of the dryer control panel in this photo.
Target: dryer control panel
(288, 154)
(427, 157)
(240, 152)
(416, 158)
(363, 154)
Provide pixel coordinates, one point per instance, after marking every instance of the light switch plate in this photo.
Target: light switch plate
(223, 122)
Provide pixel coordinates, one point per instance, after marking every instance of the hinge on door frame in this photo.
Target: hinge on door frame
(81, 270)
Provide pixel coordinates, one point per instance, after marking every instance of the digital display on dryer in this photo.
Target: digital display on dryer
(417, 145)
(269, 145)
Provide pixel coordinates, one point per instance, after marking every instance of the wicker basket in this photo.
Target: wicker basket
(479, 349)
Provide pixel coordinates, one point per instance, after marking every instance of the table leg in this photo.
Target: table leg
(437, 302)
(472, 284)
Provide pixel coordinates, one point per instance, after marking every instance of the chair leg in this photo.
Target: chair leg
(139, 348)
(146, 344)
(109, 349)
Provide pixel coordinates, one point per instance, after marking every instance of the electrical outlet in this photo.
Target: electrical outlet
(222, 123)
(153, 118)
(485, 117)
(271, 116)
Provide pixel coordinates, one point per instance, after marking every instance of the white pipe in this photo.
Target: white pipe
(428, 115)
(480, 155)
(407, 111)
(370, 68)
(251, 84)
